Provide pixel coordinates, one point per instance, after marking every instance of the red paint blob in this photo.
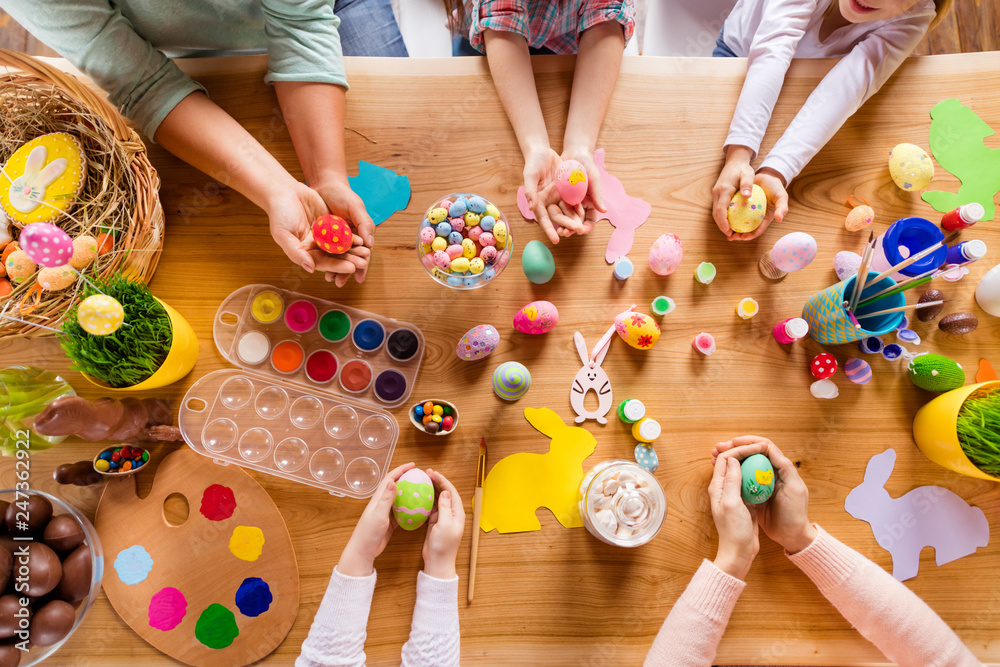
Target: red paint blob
(321, 366)
(355, 376)
(218, 503)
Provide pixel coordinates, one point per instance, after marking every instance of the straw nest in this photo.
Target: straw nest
(119, 196)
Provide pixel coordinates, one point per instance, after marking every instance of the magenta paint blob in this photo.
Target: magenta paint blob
(167, 609)
(301, 316)
(321, 366)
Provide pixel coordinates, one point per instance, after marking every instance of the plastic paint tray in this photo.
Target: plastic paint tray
(289, 424)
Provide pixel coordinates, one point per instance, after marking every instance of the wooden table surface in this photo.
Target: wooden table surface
(558, 596)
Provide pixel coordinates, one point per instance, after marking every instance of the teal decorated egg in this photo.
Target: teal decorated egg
(537, 262)
(758, 479)
(414, 499)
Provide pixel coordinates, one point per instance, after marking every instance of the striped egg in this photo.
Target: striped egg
(511, 381)
(858, 371)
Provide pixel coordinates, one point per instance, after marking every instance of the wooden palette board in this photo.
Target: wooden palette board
(195, 558)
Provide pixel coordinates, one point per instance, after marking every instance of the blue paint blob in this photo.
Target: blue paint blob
(253, 597)
(368, 335)
(133, 565)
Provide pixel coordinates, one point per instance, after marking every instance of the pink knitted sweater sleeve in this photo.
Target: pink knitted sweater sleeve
(691, 633)
(882, 609)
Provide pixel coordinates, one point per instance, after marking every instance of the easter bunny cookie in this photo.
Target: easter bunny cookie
(591, 378)
(42, 179)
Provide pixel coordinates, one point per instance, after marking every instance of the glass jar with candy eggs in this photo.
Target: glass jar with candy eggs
(621, 503)
(464, 241)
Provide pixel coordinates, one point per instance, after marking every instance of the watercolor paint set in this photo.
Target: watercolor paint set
(309, 400)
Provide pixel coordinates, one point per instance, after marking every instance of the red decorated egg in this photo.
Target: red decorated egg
(333, 234)
(823, 366)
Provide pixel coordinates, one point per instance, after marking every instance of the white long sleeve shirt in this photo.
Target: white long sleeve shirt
(769, 33)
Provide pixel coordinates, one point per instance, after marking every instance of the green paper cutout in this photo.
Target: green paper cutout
(956, 140)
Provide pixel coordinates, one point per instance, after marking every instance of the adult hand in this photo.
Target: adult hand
(374, 528)
(785, 516)
(444, 530)
(290, 215)
(540, 166)
(773, 185)
(736, 174)
(735, 521)
(343, 201)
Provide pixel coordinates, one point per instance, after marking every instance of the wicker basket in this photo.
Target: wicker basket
(120, 194)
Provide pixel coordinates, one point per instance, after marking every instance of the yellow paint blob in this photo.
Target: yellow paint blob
(247, 542)
(267, 307)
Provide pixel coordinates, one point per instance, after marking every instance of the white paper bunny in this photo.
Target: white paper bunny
(591, 378)
(28, 189)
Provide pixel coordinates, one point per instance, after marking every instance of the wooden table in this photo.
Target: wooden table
(561, 597)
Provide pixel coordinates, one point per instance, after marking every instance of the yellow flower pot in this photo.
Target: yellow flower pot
(180, 359)
(936, 434)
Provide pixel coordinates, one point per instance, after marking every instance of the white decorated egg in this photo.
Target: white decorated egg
(846, 264)
(665, 254)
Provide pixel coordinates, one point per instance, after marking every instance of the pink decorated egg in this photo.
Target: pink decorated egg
(823, 365)
(794, 252)
(478, 342)
(665, 254)
(487, 239)
(537, 317)
(333, 234)
(427, 235)
(454, 251)
(488, 254)
(442, 260)
(46, 244)
(638, 330)
(457, 224)
(571, 182)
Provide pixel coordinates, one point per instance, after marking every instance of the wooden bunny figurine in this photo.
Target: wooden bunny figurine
(591, 378)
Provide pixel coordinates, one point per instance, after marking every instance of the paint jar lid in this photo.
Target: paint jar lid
(974, 249)
(646, 430)
(633, 410)
(971, 212)
(796, 328)
(623, 268)
(662, 305)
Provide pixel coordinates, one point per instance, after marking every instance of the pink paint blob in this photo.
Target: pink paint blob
(218, 503)
(167, 609)
(301, 316)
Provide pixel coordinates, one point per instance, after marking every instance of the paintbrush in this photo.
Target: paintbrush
(477, 510)
(910, 260)
(910, 283)
(918, 306)
(863, 267)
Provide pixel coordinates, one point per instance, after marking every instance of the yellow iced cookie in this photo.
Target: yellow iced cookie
(43, 178)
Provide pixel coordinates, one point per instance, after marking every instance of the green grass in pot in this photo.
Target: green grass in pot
(979, 430)
(129, 355)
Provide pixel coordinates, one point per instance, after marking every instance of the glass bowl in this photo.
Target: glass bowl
(460, 278)
(622, 503)
(39, 653)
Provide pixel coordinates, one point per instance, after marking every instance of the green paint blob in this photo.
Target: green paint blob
(335, 325)
(216, 627)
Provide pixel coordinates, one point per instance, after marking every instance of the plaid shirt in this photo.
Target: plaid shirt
(552, 24)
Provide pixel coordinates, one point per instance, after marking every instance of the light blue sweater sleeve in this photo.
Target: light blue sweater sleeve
(303, 43)
(143, 83)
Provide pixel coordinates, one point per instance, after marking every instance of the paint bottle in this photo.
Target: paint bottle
(966, 251)
(646, 430)
(791, 330)
(631, 410)
(962, 217)
(623, 268)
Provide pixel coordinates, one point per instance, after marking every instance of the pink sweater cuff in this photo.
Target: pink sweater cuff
(713, 592)
(827, 561)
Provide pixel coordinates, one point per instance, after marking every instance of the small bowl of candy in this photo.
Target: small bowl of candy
(434, 416)
(464, 241)
(120, 460)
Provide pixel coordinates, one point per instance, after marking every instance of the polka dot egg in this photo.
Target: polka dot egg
(858, 371)
(100, 315)
(910, 167)
(332, 234)
(794, 252)
(745, 215)
(823, 366)
(53, 279)
(646, 457)
(46, 244)
(414, 499)
(478, 342)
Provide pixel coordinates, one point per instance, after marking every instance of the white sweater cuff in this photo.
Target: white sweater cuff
(436, 609)
(347, 602)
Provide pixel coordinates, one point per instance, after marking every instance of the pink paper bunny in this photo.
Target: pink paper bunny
(926, 516)
(590, 378)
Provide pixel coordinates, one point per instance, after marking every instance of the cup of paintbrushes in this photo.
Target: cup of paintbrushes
(830, 323)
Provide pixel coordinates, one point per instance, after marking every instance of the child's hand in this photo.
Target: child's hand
(777, 202)
(735, 521)
(785, 516)
(737, 174)
(343, 201)
(543, 198)
(291, 215)
(444, 530)
(595, 195)
(373, 530)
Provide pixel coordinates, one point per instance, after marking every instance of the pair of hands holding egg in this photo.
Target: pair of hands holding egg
(556, 217)
(738, 176)
(784, 517)
(376, 525)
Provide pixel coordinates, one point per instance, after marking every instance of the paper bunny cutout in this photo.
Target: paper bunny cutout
(590, 378)
(926, 516)
(27, 191)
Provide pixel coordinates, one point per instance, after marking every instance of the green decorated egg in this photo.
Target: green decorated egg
(414, 499)
(934, 372)
(758, 479)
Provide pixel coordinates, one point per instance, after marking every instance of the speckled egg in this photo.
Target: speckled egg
(19, 266)
(414, 499)
(442, 260)
(823, 365)
(500, 234)
(665, 254)
(478, 342)
(538, 317)
(794, 252)
(537, 262)
(858, 371)
(332, 234)
(638, 330)
(84, 251)
(758, 479)
(571, 182)
(745, 215)
(436, 215)
(859, 218)
(910, 167)
(57, 278)
(846, 264)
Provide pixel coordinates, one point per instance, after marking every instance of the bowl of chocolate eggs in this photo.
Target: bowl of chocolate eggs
(51, 565)
(464, 241)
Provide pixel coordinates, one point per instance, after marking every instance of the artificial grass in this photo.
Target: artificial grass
(978, 427)
(131, 354)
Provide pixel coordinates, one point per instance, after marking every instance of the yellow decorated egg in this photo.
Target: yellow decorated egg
(638, 330)
(84, 252)
(745, 215)
(910, 167)
(100, 315)
(500, 234)
(43, 178)
(56, 278)
(19, 266)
